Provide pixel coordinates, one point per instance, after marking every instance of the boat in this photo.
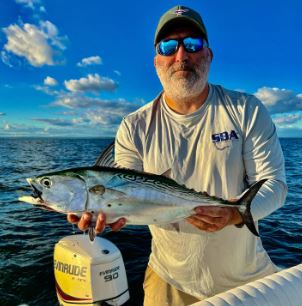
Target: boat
(283, 288)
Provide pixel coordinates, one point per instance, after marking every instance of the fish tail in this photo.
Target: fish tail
(245, 206)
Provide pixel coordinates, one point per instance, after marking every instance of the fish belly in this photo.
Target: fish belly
(144, 207)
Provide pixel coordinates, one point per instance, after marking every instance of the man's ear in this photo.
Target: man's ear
(154, 61)
(210, 54)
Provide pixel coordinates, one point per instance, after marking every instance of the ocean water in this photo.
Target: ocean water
(28, 235)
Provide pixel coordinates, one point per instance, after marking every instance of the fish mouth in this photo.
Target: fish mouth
(44, 206)
(37, 195)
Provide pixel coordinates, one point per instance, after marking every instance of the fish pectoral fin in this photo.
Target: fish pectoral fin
(97, 189)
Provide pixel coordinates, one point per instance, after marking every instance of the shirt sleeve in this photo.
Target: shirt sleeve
(263, 159)
(126, 154)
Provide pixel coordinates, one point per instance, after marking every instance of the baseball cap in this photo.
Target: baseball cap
(179, 15)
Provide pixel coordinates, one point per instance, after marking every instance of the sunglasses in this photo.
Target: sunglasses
(168, 47)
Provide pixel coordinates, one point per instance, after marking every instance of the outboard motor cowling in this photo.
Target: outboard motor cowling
(89, 273)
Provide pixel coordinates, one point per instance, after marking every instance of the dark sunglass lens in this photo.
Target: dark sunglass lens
(167, 47)
(193, 44)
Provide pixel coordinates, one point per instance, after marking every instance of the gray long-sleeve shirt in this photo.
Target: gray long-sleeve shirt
(222, 148)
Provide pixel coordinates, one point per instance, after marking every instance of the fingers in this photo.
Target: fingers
(211, 219)
(85, 220)
(211, 211)
(100, 223)
(71, 218)
(219, 221)
(204, 226)
(116, 226)
(216, 216)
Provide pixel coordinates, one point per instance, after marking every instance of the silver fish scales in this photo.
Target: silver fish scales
(142, 198)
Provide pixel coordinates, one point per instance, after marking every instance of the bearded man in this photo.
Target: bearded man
(210, 139)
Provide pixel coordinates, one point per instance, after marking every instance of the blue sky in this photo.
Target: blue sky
(75, 68)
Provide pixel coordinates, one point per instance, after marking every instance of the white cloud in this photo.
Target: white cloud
(93, 82)
(288, 119)
(28, 3)
(32, 4)
(49, 81)
(88, 61)
(58, 121)
(105, 116)
(84, 117)
(37, 44)
(76, 101)
(88, 119)
(52, 130)
(117, 72)
(52, 34)
(279, 100)
(68, 113)
(98, 111)
(48, 90)
(6, 59)
(24, 130)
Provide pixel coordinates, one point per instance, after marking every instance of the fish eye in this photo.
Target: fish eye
(46, 182)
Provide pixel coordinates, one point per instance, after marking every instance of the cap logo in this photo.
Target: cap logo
(180, 11)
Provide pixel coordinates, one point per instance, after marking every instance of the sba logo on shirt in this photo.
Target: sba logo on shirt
(225, 136)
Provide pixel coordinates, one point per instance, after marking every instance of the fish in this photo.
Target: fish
(139, 197)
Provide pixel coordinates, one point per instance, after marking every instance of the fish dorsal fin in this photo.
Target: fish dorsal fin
(106, 158)
(167, 173)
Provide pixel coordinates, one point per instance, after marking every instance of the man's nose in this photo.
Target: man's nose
(181, 54)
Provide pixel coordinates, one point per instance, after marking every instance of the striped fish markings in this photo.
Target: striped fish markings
(142, 198)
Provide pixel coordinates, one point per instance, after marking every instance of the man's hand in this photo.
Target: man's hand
(213, 218)
(85, 221)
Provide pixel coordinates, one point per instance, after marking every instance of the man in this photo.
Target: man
(209, 139)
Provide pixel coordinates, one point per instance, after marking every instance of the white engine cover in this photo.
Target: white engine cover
(89, 273)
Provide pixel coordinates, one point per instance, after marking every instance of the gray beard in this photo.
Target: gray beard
(184, 89)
